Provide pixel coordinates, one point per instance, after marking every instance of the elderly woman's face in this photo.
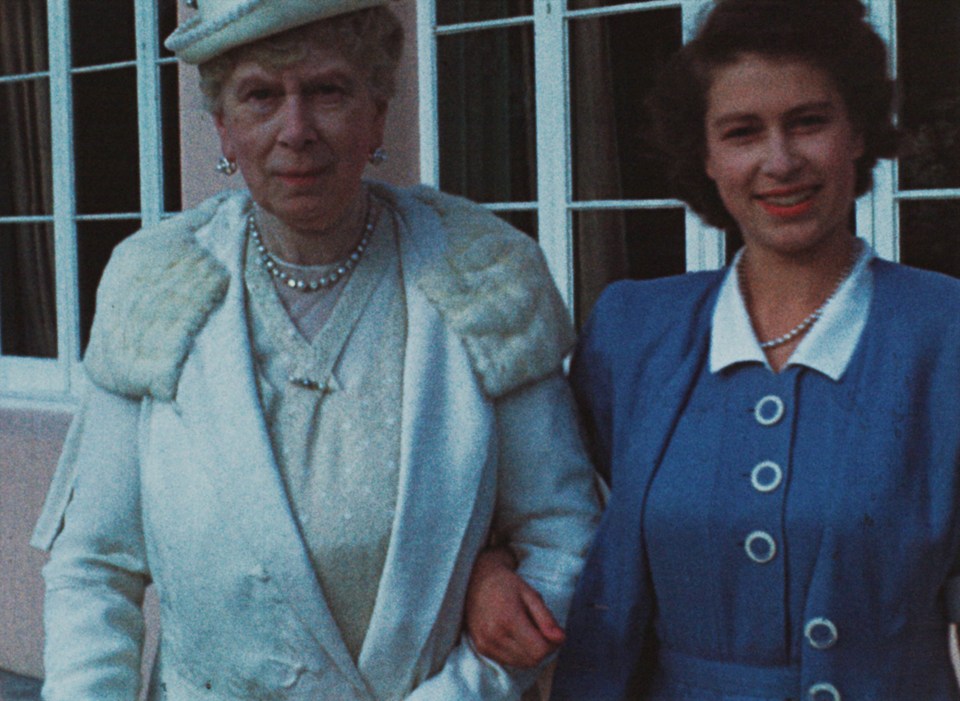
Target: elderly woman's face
(301, 135)
(782, 152)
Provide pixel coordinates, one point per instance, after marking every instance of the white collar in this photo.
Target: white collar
(827, 347)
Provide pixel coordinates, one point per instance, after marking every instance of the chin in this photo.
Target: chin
(307, 214)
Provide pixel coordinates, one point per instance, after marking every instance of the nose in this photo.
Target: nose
(296, 125)
(781, 159)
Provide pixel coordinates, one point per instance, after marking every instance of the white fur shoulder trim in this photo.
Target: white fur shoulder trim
(494, 290)
(155, 295)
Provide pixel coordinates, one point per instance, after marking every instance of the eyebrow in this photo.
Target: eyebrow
(265, 78)
(737, 117)
(253, 79)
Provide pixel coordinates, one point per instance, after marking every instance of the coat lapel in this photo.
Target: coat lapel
(446, 444)
(227, 404)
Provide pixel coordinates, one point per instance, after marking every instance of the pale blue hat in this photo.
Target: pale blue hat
(220, 25)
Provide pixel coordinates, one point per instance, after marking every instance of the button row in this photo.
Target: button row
(821, 634)
(765, 477)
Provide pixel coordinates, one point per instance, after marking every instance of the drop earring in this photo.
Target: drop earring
(378, 156)
(226, 167)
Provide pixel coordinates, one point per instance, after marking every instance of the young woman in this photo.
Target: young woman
(781, 438)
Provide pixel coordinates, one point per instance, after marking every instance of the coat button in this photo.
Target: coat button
(766, 476)
(823, 692)
(768, 410)
(821, 633)
(760, 547)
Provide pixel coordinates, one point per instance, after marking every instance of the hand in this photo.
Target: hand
(505, 616)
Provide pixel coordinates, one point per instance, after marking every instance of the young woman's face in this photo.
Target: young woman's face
(782, 152)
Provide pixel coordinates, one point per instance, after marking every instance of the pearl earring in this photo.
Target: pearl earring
(225, 166)
(378, 156)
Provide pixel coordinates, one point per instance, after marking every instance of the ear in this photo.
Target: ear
(859, 144)
(379, 122)
(709, 166)
(226, 143)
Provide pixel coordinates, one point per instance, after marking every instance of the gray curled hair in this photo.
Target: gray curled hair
(371, 39)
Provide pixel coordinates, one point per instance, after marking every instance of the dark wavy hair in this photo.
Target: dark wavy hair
(831, 34)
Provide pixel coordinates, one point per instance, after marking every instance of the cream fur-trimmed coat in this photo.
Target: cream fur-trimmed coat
(168, 475)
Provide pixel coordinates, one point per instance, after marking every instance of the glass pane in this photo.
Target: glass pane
(612, 245)
(102, 31)
(105, 141)
(591, 4)
(930, 235)
(26, 181)
(486, 114)
(166, 22)
(524, 221)
(170, 118)
(613, 64)
(28, 299)
(23, 37)
(95, 242)
(928, 35)
(457, 11)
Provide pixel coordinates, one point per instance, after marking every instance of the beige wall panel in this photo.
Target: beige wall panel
(29, 445)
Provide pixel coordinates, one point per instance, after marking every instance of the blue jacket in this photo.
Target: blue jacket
(884, 585)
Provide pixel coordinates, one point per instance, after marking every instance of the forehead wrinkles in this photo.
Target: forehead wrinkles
(306, 73)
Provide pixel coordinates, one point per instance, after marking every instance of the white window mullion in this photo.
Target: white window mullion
(427, 77)
(877, 212)
(705, 245)
(553, 143)
(64, 193)
(148, 113)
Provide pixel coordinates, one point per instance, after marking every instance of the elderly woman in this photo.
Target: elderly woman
(311, 404)
(781, 438)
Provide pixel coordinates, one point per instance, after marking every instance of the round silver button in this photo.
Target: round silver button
(766, 476)
(768, 410)
(823, 691)
(760, 547)
(821, 633)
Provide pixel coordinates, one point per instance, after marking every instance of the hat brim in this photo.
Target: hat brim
(199, 39)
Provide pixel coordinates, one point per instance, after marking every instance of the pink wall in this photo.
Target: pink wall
(30, 440)
(29, 445)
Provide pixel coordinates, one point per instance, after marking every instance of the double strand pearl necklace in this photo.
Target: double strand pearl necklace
(342, 269)
(809, 320)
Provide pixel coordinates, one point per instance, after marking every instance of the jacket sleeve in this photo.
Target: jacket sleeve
(547, 509)
(97, 572)
(547, 503)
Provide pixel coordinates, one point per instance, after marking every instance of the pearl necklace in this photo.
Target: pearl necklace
(809, 320)
(342, 269)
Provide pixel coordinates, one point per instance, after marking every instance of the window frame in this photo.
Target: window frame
(58, 382)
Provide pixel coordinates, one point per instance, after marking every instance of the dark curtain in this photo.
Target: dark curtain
(28, 265)
(486, 107)
(599, 235)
